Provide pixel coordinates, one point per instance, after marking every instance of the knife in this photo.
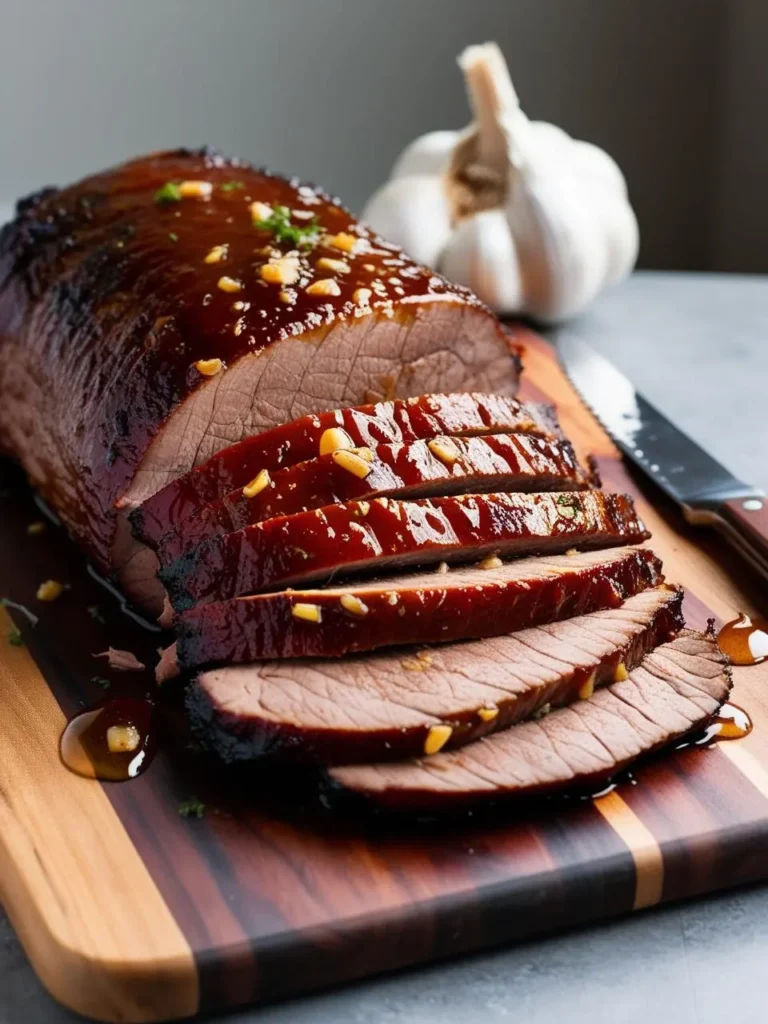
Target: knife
(705, 491)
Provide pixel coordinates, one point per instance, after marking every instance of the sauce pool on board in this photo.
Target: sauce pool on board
(731, 723)
(113, 742)
(744, 640)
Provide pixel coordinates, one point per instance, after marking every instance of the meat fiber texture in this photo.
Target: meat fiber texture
(425, 607)
(676, 690)
(385, 706)
(410, 419)
(115, 304)
(381, 535)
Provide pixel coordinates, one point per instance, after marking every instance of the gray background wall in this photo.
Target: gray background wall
(332, 89)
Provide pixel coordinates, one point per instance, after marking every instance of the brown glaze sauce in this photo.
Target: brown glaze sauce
(731, 723)
(85, 742)
(744, 640)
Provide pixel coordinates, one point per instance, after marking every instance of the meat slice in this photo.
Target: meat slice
(426, 607)
(377, 536)
(151, 315)
(381, 707)
(676, 690)
(416, 469)
(410, 419)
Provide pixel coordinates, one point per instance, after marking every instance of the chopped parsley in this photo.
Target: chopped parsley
(95, 613)
(101, 681)
(169, 193)
(15, 639)
(296, 235)
(173, 236)
(192, 808)
(231, 186)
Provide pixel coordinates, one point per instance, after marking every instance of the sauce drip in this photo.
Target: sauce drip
(126, 722)
(744, 640)
(732, 723)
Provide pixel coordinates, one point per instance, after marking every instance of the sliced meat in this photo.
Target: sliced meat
(427, 607)
(150, 316)
(364, 537)
(416, 469)
(381, 707)
(677, 689)
(411, 419)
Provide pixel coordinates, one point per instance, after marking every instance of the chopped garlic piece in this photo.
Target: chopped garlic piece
(217, 254)
(229, 284)
(335, 266)
(195, 189)
(362, 296)
(343, 241)
(352, 462)
(258, 484)
(209, 367)
(444, 449)
(325, 286)
(50, 590)
(491, 562)
(437, 737)
(307, 612)
(353, 604)
(260, 211)
(487, 714)
(334, 439)
(621, 673)
(283, 270)
(123, 739)
(587, 688)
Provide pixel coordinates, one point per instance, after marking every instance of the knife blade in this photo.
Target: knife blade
(707, 493)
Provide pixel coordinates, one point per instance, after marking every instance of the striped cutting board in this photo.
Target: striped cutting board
(131, 912)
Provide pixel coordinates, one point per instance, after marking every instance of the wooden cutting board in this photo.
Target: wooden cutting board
(131, 912)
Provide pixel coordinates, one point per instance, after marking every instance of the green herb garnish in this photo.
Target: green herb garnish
(192, 808)
(100, 681)
(173, 236)
(95, 613)
(279, 223)
(231, 186)
(15, 639)
(169, 193)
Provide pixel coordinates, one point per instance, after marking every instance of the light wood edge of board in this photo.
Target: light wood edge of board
(94, 925)
(640, 841)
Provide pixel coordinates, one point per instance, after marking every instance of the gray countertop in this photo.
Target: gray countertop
(697, 345)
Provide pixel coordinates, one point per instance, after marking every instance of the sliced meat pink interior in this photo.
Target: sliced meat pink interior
(384, 706)
(677, 689)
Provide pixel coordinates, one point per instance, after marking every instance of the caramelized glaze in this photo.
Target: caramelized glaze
(101, 282)
(744, 640)
(84, 746)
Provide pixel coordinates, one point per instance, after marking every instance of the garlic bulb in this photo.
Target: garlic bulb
(530, 219)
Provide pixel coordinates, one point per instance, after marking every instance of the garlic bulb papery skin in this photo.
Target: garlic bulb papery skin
(533, 221)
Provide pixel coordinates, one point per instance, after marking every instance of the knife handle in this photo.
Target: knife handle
(748, 517)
